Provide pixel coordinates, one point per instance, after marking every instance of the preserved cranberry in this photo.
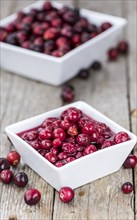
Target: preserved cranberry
(51, 157)
(69, 148)
(121, 137)
(72, 130)
(89, 149)
(83, 139)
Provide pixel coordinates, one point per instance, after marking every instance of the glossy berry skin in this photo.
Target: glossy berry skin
(105, 26)
(88, 128)
(32, 196)
(69, 148)
(121, 137)
(84, 74)
(6, 176)
(51, 157)
(20, 179)
(127, 188)
(130, 162)
(66, 194)
(123, 47)
(89, 149)
(59, 163)
(51, 33)
(72, 130)
(14, 158)
(83, 139)
(59, 133)
(113, 54)
(107, 144)
(67, 95)
(4, 164)
(30, 136)
(96, 65)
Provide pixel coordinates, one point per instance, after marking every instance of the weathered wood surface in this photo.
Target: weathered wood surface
(112, 91)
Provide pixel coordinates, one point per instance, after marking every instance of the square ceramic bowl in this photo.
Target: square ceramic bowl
(80, 171)
(54, 70)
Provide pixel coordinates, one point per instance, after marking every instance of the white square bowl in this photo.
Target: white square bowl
(54, 70)
(82, 170)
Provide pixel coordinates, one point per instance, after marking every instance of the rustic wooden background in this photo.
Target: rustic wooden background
(112, 91)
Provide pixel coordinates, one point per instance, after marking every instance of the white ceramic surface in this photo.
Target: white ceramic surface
(80, 171)
(54, 70)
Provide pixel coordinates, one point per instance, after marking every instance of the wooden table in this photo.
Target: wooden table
(112, 91)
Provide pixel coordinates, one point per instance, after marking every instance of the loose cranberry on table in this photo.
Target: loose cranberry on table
(127, 188)
(66, 194)
(13, 157)
(96, 65)
(67, 93)
(4, 164)
(32, 196)
(84, 74)
(123, 47)
(113, 54)
(6, 176)
(130, 162)
(20, 179)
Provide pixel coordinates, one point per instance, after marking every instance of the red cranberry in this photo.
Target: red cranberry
(121, 137)
(6, 176)
(89, 149)
(59, 133)
(61, 41)
(84, 74)
(54, 150)
(69, 17)
(46, 144)
(32, 196)
(63, 10)
(107, 144)
(56, 124)
(4, 164)
(62, 155)
(67, 95)
(30, 135)
(51, 157)
(20, 15)
(38, 30)
(76, 39)
(130, 162)
(69, 159)
(34, 12)
(69, 148)
(84, 23)
(46, 133)
(57, 142)
(49, 121)
(85, 37)
(96, 65)
(21, 179)
(113, 54)
(57, 53)
(72, 130)
(14, 158)
(26, 44)
(47, 6)
(51, 33)
(43, 152)
(92, 28)
(60, 163)
(51, 16)
(66, 194)
(123, 47)
(22, 36)
(78, 28)
(107, 134)
(71, 140)
(10, 27)
(3, 34)
(12, 39)
(83, 139)
(94, 136)
(38, 41)
(67, 32)
(56, 22)
(100, 140)
(83, 121)
(127, 187)
(49, 45)
(74, 115)
(45, 25)
(88, 128)
(27, 19)
(65, 124)
(105, 26)
(79, 155)
(79, 147)
(94, 34)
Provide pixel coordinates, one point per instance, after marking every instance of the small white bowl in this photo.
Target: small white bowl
(54, 70)
(80, 171)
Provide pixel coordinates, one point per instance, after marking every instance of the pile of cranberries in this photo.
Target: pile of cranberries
(51, 31)
(61, 140)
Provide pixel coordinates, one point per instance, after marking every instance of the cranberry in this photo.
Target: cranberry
(76, 39)
(67, 32)
(94, 136)
(10, 27)
(21, 179)
(3, 34)
(69, 17)
(56, 124)
(96, 65)
(54, 150)
(79, 155)
(51, 157)
(4, 164)
(92, 28)
(79, 147)
(83, 139)
(84, 74)
(61, 41)
(78, 28)
(49, 45)
(12, 39)
(88, 128)
(38, 30)
(46, 144)
(71, 140)
(22, 36)
(84, 23)
(72, 130)
(123, 47)
(51, 16)
(20, 15)
(56, 22)
(107, 144)
(67, 94)
(100, 140)
(6, 176)
(62, 155)
(43, 152)
(57, 142)
(69, 159)
(65, 124)
(63, 10)
(89, 149)
(69, 148)
(14, 158)
(25, 27)
(105, 26)
(32, 196)
(57, 53)
(51, 33)
(130, 162)
(60, 163)
(66, 194)
(113, 54)
(27, 19)
(49, 121)
(83, 121)
(107, 134)
(47, 6)
(46, 133)
(121, 137)
(30, 135)
(26, 44)
(59, 133)
(74, 115)
(45, 25)
(94, 34)
(127, 187)
(85, 37)
(38, 41)
(34, 12)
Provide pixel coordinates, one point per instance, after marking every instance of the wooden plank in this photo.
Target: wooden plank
(105, 90)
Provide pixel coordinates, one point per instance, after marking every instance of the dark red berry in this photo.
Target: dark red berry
(60, 163)
(46, 144)
(51, 33)
(74, 115)
(59, 133)
(130, 162)
(72, 130)
(89, 149)
(96, 65)
(62, 155)
(113, 54)
(14, 158)
(57, 142)
(88, 128)
(21, 179)
(56, 22)
(123, 47)
(55, 150)
(69, 159)
(84, 74)
(51, 157)
(57, 53)
(127, 187)
(67, 95)
(107, 144)
(32, 196)
(3, 34)
(121, 137)
(4, 164)
(105, 26)
(47, 6)
(69, 148)
(30, 136)
(83, 139)
(66, 194)
(6, 176)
